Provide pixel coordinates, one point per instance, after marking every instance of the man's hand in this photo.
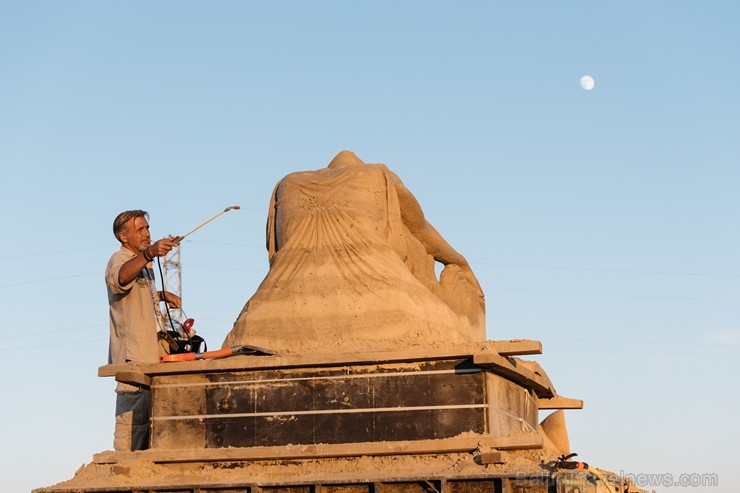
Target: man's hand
(162, 247)
(172, 300)
(133, 267)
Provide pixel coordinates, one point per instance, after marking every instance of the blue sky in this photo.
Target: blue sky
(603, 223)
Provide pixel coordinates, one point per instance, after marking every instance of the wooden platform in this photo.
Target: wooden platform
(418, 396)
(453, 420)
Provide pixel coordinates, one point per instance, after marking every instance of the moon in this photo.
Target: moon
(587, 83)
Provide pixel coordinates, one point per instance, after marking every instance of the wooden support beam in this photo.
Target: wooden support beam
(518, 347)
(491, 457)
(412, 447)
(535, 368)
(559, 402)
(133, 377)
(244, 362)
(517, 371)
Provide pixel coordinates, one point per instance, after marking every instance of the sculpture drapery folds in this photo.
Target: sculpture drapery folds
(352, 269)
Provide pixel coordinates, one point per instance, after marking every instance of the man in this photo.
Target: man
(135, 322)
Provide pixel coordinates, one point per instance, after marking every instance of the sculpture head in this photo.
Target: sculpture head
(345, 159)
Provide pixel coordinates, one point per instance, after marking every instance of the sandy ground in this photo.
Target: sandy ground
(143, 473)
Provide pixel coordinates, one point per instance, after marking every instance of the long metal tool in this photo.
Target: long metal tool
(208, 221)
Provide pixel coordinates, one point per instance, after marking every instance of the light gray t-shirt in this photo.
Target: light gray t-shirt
(134, 316)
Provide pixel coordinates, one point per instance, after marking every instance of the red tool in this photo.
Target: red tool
(220, 353)
(188, 324)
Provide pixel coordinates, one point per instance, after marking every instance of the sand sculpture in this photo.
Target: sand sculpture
(383, 381)
(352, 268)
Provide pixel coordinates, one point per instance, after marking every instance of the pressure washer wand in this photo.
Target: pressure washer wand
(208, 221)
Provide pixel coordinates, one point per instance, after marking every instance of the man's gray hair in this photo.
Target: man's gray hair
(125, 217)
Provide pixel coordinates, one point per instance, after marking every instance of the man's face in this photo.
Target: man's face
(135, 234)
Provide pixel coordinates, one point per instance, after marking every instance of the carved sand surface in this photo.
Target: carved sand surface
(352, 269)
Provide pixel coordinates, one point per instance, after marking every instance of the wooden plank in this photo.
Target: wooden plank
(518, 347)
(189, 396)
(559, 402)
(245, 362)
(362, 427)
(512, 408)
(450, 445)
(517, 371)
(133, 377)
(317, 390)
(535, 368)
(491, 457)
(310, 406)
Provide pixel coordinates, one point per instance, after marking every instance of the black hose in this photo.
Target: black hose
(164, 298)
